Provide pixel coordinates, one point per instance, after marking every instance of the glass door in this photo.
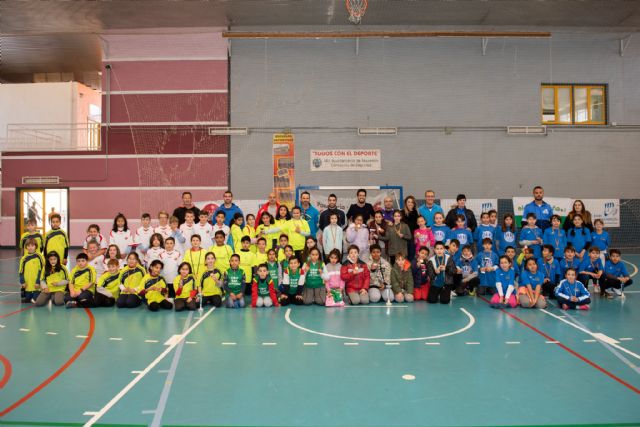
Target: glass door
(40, 204)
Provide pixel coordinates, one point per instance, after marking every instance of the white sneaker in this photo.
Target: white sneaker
(617, 291)
(596, 289)
(453, 294)
(609, 292)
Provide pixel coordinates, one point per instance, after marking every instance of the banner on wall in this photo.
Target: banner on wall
(476, 205)
(283, 168)
(561, 206)
(608, 210)
(345, 160)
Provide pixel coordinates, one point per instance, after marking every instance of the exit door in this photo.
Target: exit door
(40, 204)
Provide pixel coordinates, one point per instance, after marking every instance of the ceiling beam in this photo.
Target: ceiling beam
(381, 34)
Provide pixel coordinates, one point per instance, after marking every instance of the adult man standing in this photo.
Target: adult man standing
(332, 208)
(461, 209)
(430, 208)
(540, 208)
(388, 209)
(361, 207)
(186, 205)
(309, 213)
(228, 207)
(271, 207)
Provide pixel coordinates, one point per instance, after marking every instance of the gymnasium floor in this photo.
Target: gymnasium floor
(458, 365)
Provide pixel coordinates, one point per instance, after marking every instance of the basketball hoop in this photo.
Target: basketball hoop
(356, 9)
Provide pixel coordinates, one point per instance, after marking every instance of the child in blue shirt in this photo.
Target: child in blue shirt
(615, 276)
(461, 232)
(440, 231)
(530, 286)
(485, 230)
(505, 285)
(572, 294)
(550, 267)
(600, 238)
(465, 268)
(531, 236)
(591, 268)
(486, 264)
(579, 237)
(569, 260)
(556, 237)
(510, 252)
(507, 235)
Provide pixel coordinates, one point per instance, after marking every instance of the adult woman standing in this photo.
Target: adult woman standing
(410, 217)
(578, 209)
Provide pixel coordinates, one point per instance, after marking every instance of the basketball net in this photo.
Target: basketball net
(356, 9)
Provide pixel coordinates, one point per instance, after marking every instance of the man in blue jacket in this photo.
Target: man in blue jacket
(540, 208)
(229, 208)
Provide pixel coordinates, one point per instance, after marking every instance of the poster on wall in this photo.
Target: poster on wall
(608, 210)
(345, 160)
(476, 205)
(561, 206)
(283, 168)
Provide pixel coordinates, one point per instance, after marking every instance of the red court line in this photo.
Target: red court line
(60, 370)
(7, 371)
(16, 312)
(564, 347)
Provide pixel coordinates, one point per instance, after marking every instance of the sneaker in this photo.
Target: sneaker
(618, 292)
(453, 294)
(33, 301)
(596, 289)
(609, 292)
(71, 304)
(565, 307)
(583, 307)
(472, 292)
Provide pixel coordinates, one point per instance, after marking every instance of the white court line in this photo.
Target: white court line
(632, 292)
(2, 326)
(228, 343)
(635, 268)
(309, 343)
(191, 342)
(115, 339)
(375, 306)
(151, 341)
(51, 333)
(472, 343)
(148, 369)
(269, 343)
(148, 411)
(136, 372)
(351, 343)
(24, 330)
(625, 339)
(432, 343)
(472, 321)
(512, 342)
(174, 339)
(90, 413)
(552, 342)
(590, 340)
(598, 336)
(82, 336)
(392, 343)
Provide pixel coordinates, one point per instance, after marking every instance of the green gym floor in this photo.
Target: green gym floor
(462, 364)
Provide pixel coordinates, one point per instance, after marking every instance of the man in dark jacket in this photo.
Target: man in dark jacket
(461, 209)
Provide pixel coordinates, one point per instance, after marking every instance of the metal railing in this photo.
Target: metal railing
(51, 137)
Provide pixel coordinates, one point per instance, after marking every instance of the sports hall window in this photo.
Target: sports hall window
(573, 104)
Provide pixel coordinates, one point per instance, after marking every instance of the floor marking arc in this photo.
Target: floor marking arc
(60, 370)
(472, 321)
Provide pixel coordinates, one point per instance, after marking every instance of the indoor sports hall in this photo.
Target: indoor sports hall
(319, 213)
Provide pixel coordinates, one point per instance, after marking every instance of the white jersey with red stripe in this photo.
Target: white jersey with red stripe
(102, 242)
(122, 239)
(171, 260)
(205, 231)
(187, 231)
(153, 254)
(163, 230)
(98, 265)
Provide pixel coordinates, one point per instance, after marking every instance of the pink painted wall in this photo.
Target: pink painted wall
(166, 61)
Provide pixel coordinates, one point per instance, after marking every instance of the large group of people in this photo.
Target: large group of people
(300, 256)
